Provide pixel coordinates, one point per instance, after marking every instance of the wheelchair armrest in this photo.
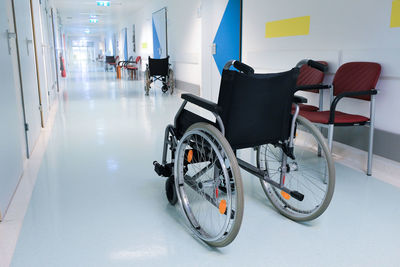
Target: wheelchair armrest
(313, 87)
(299, 99)
(201, 102)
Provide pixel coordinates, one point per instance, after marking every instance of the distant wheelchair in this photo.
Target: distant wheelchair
(294, 164)
(159, 69)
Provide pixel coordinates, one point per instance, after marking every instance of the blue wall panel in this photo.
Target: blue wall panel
(228, 36)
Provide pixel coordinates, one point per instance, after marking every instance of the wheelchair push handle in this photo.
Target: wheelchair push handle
(313, 64)
(239, 66)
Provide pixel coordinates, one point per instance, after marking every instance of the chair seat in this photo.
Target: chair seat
(340, 117)
(306, 107)
(131, 67)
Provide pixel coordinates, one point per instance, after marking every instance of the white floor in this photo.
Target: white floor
(98, 202)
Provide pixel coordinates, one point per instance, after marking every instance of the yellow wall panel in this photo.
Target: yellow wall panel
(395, 18)
(288, 27)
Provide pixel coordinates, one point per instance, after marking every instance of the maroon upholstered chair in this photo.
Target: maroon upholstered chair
(133, 68)
(311, 78)
(355, 80)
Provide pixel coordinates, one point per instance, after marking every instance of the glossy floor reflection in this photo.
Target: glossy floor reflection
(98, 202)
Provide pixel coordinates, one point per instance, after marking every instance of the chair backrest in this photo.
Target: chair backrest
(256, 109)
(138, 59)
(159, 67)
(356, 76)
(310, 76)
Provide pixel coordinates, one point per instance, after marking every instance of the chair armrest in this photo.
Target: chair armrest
(201, 102)
(313, 87)
(299, 99)
(346, 94)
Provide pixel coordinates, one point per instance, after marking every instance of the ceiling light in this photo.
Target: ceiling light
(93, 20)
(103, 3)
(93, 16)
(87, 31)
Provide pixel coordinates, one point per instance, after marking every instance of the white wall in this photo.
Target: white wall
(340, 31)
(184, 35)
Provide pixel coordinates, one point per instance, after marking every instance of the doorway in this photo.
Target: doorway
(159, 21)
(28, 75)
(221, 41)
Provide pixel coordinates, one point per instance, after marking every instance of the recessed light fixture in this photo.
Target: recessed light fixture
(103, 3)
(93, 16)
(87, 31)
(93, 20)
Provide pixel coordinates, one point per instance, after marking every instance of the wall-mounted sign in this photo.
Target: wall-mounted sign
(395, 17)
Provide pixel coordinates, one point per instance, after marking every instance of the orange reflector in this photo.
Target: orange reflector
(190, 156)
(285, 195)
(222, 206)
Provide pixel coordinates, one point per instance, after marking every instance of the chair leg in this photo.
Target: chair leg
(371, 135)
(370, 150)
(330, 136)
(319, 147)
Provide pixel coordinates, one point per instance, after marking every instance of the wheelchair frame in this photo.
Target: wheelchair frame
(167, 80)
(172, 143)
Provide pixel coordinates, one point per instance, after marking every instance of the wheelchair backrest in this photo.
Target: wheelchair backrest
(256, 109)
(159, 67)
(110, 59)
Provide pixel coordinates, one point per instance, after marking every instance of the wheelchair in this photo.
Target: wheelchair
(159, 69)
(294, 164)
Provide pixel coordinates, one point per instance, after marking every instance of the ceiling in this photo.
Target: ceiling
(75, 15)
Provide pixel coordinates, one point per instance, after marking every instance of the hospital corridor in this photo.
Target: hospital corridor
(199, 133)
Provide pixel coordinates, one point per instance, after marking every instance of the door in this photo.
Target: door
(12, 138)
(27, 66)
(221, 41)
(160, 46)
(48, 51)
(38, 32)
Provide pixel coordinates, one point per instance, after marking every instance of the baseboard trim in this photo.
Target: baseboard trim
(382, 168)
(188, 87)
(386, 144)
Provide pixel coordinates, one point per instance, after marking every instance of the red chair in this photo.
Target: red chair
(310, 80)
(133, 69)
(355, 80)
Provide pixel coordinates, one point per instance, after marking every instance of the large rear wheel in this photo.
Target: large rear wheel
(208, 185)
(310, 173)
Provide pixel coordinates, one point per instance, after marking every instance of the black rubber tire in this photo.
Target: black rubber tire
(170, 190)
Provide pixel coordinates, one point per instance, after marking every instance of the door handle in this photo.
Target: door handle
(10, 35)
(27, 44)
(213, 48)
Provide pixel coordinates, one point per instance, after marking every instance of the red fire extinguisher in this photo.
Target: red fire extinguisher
(62, 67)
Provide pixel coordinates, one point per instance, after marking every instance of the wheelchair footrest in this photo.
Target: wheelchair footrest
(163, 170)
